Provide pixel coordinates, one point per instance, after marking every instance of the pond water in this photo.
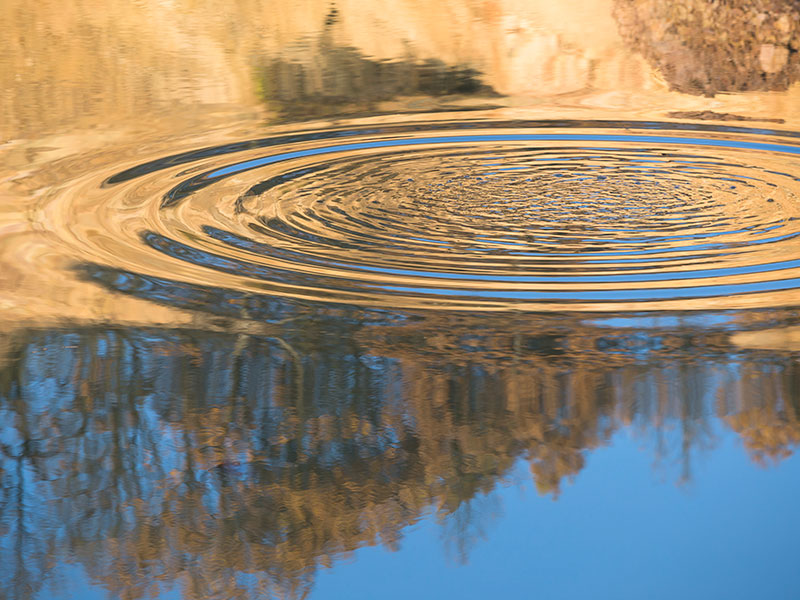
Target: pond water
(378, 300)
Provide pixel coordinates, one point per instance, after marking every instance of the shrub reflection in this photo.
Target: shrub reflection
(239, 464)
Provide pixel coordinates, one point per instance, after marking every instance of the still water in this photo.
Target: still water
(381, 300)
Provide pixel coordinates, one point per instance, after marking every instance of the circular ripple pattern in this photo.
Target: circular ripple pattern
(492, 216)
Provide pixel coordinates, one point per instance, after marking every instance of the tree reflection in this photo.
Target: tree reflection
(239, 464)
(327, 79)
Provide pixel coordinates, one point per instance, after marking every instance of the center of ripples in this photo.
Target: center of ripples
(523, 219)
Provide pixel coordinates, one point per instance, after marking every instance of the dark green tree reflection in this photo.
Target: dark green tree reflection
(239, 464)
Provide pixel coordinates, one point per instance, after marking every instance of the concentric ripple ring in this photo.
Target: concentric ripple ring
(478, 215)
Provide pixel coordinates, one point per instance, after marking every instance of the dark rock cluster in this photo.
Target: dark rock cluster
(704, 47)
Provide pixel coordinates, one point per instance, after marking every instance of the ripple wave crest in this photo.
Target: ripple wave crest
(470, 215)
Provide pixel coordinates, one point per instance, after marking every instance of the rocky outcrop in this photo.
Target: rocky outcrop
(704, 47)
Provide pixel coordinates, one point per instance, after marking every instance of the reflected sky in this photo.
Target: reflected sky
(607, 534)
(610, 535)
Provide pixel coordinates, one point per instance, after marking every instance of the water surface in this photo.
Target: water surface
(474, 299)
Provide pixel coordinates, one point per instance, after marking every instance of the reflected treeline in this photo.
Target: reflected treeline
(343, 81)
(703, 47)
(328, 79)
(239, 464)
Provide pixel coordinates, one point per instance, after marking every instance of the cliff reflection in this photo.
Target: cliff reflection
(239, 464)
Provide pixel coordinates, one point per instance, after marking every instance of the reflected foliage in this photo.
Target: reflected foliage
(239, 464)
(344, 82)
(327, 79)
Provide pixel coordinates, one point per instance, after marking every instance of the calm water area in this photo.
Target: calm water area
(358, 299)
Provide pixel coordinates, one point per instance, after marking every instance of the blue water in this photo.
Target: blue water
(470, 139)
(620, 530)
(624, 528)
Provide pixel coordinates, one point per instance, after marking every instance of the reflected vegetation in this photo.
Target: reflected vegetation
(341, 80)
(240, 463)
(344, 82)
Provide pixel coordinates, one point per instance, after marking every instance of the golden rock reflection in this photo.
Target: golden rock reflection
(150, 455)
(98, 68)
